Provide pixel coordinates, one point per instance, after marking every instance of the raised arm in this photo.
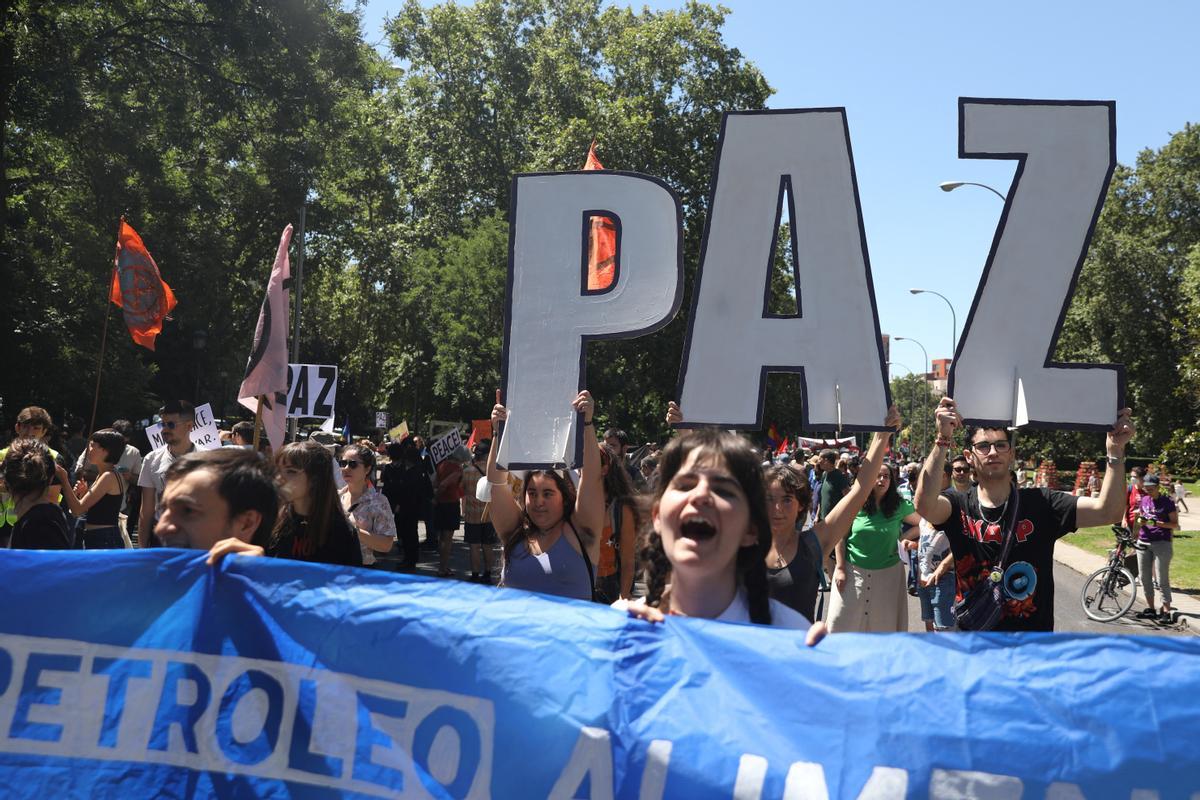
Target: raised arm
(928, 499)
(506, 514)
(1109, 507)
(837, 523)
(80, 505)
(589, 503)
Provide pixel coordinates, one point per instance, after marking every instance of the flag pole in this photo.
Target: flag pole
(104, 335)
(258, 420)
(299, 282)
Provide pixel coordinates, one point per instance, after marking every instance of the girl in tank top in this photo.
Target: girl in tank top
(102, 501)
(551, 540)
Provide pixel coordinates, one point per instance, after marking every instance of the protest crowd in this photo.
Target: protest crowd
(702, 525)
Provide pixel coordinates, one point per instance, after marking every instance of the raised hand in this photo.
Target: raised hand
(1122, 431)
(948, 418)
(674, 415)
(583, 403)
(499, 413)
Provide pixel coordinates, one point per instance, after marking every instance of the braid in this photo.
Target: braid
(658, 568)
(752, 567)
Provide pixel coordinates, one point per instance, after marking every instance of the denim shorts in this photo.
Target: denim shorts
(937, 602)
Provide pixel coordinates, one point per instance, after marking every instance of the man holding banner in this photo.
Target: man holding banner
(178, 419)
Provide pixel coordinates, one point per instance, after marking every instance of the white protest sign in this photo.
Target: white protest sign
(205, 435)
(549, 312)
(1003, 372)
(770, 163)
(382, 420)
(312, 390)
(799, 162)
(441, 449)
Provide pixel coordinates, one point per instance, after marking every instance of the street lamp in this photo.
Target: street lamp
(953, 317)
(924, 380)
(950, 186)
(912, 397)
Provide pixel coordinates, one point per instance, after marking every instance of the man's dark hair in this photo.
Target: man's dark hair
(829, 454)
(181, 407)
(974, 429)
(244, 431)
(618, 434)
(956, 459)
(37, 415)
(123, 427)
(246, 483)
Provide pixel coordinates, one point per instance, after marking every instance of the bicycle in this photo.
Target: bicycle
(1111, 591)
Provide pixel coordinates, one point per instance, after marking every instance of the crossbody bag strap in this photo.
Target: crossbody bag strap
(587, 562)
(1009, 535)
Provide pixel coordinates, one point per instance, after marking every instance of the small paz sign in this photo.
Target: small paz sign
(794, 168)
(312, 390)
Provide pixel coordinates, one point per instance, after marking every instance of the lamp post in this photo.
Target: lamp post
(924, 382)
(953, 317)
(911, 395)
(950, 186)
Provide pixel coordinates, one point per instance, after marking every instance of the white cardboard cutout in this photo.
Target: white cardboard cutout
(549, 315)
(732, 342)
(1002, 373)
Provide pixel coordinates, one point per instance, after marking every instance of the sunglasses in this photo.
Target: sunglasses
(171, 424)
(959, 469)
(982, 448)
(348, 463)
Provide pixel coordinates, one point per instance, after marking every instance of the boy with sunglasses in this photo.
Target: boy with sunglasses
(178, 419)
(977, 521)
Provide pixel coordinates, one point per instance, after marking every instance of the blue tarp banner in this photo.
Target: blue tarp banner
(149, 674)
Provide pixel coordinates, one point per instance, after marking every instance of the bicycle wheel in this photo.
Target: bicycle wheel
(1108, 593)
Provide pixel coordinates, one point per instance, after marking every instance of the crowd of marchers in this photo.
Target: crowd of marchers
(702, 525)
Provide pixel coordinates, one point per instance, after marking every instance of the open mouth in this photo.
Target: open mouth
(698, 530)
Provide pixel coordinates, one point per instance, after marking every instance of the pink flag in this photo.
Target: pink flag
(267, 368)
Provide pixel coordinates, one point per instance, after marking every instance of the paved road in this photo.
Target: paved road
(1068, 616)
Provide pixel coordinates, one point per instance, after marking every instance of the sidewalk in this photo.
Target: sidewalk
(1188, 605)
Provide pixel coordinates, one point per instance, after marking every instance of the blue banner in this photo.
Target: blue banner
(150, 674)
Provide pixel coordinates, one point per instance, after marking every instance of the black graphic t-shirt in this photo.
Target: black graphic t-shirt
(1045, 517)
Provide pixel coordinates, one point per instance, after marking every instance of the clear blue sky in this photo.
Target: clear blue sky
(899, 68)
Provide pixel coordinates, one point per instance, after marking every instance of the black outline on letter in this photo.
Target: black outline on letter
(1020, 158)
(762, 383)
(585, 338)
(588, 215)
(785, 195)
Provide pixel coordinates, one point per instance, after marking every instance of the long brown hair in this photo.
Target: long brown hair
(526, 527)
(738, 457)
(317, 464)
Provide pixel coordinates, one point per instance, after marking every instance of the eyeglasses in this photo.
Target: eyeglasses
(982, 448)
(348, 463)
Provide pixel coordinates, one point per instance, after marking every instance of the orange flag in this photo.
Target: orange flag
(602, 241)
(138, 288)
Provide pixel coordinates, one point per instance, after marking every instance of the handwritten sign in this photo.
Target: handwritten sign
(443, 447)
(205, 435)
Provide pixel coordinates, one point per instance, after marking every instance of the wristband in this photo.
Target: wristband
(587, 424)
(944, 442)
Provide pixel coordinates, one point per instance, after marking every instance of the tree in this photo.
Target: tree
(205, 124)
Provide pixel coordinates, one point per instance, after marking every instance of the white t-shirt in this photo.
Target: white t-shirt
(154, 469)
(739, 611)
(932, 547)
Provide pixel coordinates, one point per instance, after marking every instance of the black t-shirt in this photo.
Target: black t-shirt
(796, 584)
(43, 527)
(407, 488)
(1045, 517)
(295, 541)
